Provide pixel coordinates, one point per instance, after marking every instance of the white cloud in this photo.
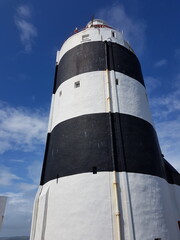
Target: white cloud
(18, 213)
(177, 53)
(4, 145)
(133, 29)
(34, 171)
(169, 104)
(151, 83)
(17, 160)
(26, 187)
(177, 81)
(27, 33)
(27, 30)
(21, 129)
(21, 195)
(24, 11)
(166, 115)
(6, 176)
(161, 63)
(15, 198)
(169, 137)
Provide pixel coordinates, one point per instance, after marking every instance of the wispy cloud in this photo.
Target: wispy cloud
(24, 11)
(133, 29)
(17, 160)
(21, 129)
(169, 105)
(26, 187)
(20, 195)
(177, 53)
(18, 213)
(34, 171)
(169, 137)
(28, 32)
(160, 63)
(6, 176)
(151, 83)
(166, 115)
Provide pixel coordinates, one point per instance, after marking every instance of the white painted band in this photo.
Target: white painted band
(70, 100)
(91, 35)
(81, 206)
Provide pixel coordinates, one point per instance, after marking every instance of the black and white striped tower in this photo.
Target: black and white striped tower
(103, 176)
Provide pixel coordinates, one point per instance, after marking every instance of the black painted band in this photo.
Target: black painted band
(55, 79)
(79, 144)
(88, 57)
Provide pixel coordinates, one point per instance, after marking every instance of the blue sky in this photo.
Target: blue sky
(31, 33)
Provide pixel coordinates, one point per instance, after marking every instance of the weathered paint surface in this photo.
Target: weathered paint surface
(81, 204)
(128, 97)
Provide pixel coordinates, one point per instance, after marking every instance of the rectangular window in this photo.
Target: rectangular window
(116, 81)
(94, 170)
(57, 178)
(179, 224)
(113, 34)
(77, 84)
(85, 37)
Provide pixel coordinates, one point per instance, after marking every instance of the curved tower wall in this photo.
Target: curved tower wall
(103, 175)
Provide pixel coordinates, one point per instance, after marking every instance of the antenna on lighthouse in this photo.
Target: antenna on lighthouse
(92, 19)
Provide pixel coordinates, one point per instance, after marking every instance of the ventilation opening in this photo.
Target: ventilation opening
(117, 82)
(113, 34)
(157, 239)
(77, 84)
(57, 178)
(94, 170)
(85, 37)
(179, 224)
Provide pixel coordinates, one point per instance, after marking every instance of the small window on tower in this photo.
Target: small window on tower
(77, 84)
(179, 224)
(60, 93)
(117, 81)
(157, 239)
(94, 170)
(85, 37)
(113, 34)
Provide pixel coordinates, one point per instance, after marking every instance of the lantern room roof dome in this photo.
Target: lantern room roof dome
(97, 22)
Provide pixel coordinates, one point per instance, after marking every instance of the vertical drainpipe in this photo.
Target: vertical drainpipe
(125, 179)
(114, 174)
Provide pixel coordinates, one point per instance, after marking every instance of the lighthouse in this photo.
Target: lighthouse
(103, 176)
